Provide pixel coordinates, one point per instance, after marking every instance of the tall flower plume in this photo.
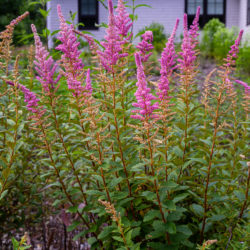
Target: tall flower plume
(188, 53)
(233, 53)
(167, 65)
(194, 28)
(245, 85)
(146, 45)
(71, 62)
(45, 65)
(31, 99)
(143, 95)
(113, 44)
(88, 86)
(123, 21)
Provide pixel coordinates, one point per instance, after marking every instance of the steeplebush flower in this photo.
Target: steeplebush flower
(123, 21)
(146, 45)
(188, 53)
(167, 61)
(144, 97)
(245, 85)
(88, 86)
(233, 53)
(72, 64)
(31, 99)
(194, 28)
(45, 65)
(113, 44)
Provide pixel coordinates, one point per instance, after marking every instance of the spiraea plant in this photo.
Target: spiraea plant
(134, 164)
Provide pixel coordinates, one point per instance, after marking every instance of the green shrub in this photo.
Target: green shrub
(243, 64)
(217, 39)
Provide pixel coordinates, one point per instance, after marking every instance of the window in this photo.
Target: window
(248, 12)
(88, 13)
(209, 9)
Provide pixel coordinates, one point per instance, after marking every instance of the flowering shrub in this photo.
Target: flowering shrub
(133, 164)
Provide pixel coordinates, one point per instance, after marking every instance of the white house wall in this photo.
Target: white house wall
(165, 14)
(232, 13)
(161, 11)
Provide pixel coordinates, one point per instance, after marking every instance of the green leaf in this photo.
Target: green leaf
(3, 194)
(169, 205)
(117, 238)
(106, 232)
(180, 197)
(73, 226)
(184, 229)
(115, 182)
(142, 5)
(170, 227)
(197, 209)
(150, 215)
(92, 240)
(177, 151)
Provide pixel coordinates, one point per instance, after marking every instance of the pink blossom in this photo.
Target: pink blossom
(233, 53)
(194, 28)
(167, 65)
(143, 95)
(45, 65)
(146, 45)
(70, 59)
(88, 86)
(31, 99)
(112, 45)
(123, 21)
(245, 85)
(188, 54)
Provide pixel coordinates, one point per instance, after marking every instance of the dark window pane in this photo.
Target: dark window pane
(192, 6)
(215, 7)
(88, 7)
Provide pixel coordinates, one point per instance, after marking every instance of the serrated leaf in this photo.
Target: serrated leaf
(152, 214)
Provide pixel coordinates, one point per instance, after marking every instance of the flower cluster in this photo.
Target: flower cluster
(245, 85)
(146, 45)
(188, 53)
(194, 28)
(88, 86)
(30, 98)
(143, 95)
(233, 53)
(45, 65)
(113, 44)
(70, 59)
(167, 65)
(123, 21)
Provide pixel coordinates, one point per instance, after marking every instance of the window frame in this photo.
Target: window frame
(83, 18)
(204, 18)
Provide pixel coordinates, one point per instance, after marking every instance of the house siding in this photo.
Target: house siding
(164, 12)
(161, 11)
(232, 13)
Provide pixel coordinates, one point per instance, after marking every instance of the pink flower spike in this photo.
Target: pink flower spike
(146, 45)
(245, 85)
(88, 85)
(143, 95)
(112, 45)
(167, 65)
(123, 21)
(45, 66)
(31, 99)
(188, 54)
(194, 28)
(71, 62)
(233, 53)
